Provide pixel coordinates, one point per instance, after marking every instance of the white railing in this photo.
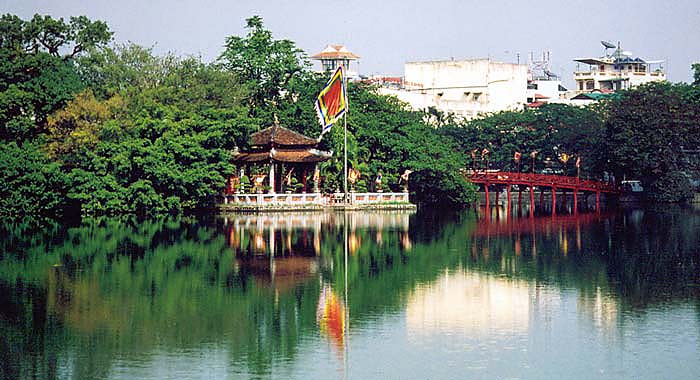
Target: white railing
(314, 198)
(274, 199)
(372, 198)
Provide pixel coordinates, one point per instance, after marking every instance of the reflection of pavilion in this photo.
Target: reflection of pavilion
(397, 219)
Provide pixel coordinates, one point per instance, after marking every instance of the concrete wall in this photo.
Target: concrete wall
(466, 87)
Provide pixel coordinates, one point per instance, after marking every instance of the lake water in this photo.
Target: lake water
(386, 295)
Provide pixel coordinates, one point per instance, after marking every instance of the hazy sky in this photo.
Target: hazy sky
(387, 33)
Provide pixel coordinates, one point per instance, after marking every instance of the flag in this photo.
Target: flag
(533, 154)
(484, 152)
(474, 153)
(578, 162)
(331, 103)
(564, 158)
(516, 156)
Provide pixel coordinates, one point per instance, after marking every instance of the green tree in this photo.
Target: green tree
(168, 148)
(696, 74)
(266, 66)
(76, 128)
(649, 130)
(548, 130)
(31, 185)
(37, 75)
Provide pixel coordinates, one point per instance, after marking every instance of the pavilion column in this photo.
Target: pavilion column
(303, 179)
(272, 177)
(317, 179)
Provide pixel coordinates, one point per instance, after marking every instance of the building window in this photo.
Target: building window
(590, 85)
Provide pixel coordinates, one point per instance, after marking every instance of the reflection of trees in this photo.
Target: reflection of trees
(123, 289)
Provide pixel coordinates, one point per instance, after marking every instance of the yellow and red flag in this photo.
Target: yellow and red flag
(332, 103)
(516, 156)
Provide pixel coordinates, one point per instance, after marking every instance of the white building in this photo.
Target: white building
(616, 71)
(541, 91)
(465, 88)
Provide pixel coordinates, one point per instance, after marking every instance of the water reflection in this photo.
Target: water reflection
(260, 296)
(330, 317)
(469, 303)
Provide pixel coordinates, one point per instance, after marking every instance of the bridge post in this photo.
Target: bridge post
(486, 190)
(508, 195)
(597, 200)
(532, 201)
(554, 200)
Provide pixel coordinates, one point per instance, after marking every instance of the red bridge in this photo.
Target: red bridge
(541, 181)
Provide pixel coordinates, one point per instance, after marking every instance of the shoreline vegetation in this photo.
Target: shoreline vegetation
(93, 127)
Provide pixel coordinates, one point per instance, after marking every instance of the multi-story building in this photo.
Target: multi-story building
(616, 71)
(464, 88)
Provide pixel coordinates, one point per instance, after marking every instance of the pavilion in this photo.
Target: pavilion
(285, 154)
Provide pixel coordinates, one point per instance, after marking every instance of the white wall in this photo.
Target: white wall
(466, 87)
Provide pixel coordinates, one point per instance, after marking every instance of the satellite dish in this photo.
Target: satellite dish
(550, 74)
(608, 45)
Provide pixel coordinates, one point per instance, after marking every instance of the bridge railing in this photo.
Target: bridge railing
(536, 179)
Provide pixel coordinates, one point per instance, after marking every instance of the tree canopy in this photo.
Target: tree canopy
(116, 129)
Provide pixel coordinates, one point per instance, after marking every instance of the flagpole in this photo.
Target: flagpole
(345, 158)
(345, 136)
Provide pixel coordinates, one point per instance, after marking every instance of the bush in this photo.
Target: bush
(30, 184)
(671, 187)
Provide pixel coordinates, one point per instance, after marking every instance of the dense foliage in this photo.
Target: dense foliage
(116, 129)
(551, 130)
(653, 133)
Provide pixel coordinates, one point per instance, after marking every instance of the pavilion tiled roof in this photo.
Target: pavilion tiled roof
(335, 52)
(283, 155)
(280, 136)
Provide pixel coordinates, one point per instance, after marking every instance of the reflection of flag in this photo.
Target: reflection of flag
(332, 101)
(484, 152)
(516, 156)
(330, 316)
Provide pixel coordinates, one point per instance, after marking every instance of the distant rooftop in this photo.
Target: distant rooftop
(336, 52)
